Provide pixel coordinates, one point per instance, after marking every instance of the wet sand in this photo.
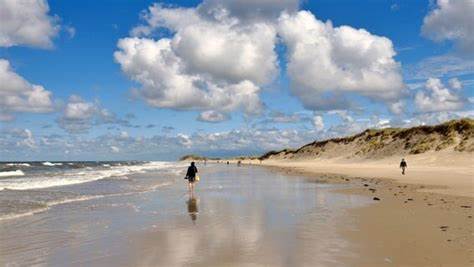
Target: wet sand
(239, 216)
(409, 224)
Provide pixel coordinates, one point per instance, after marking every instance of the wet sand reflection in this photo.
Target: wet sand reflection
(192, 205)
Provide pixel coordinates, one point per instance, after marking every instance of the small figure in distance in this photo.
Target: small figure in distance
(191, 176)
(403, 166)
(227, 163)
(239, 163)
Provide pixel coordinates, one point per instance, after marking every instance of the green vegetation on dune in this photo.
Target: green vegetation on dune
(457, 135)
(454, 135)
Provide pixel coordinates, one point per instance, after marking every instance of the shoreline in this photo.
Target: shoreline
(409, 224)
(289, 222)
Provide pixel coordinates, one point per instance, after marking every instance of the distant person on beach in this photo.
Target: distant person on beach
(239, 163)
(191, 176)
(227, 163)
(403, 166)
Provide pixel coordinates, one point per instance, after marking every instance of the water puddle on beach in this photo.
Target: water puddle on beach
(238, 216)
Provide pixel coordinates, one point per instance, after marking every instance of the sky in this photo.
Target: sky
(146, 80)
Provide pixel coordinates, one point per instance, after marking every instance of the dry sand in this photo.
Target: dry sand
(423, 218)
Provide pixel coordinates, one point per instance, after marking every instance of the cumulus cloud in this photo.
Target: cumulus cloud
(18, 95)
(165, 83)
(207, 64)
(212, 116)
(79, 116)
(318, 123)
(454, 83)
(218, 55)
(28, 140)
(71, 31)
(397, 108)
(11, 139)
(329, 62)
(26, 22)
(452, 20)
(437, 97)
(247, 10)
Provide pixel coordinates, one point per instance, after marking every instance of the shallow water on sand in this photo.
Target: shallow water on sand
(239, 216)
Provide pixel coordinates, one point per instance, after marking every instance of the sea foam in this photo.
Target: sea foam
(47, 163)
(83, 176)
(12, 173)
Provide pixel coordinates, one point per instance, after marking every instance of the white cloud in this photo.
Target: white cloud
(124, 135)
(218, 55)
(331, 60)
(454, 83)
(78, 109)
(280, 117)
(207, 64)
(79, 116)
(397, 107)
(248, 10)
(227, 53)
(71, 31)
(184, 140)
(437, 97)
(440, 66)
(18, 95)
(318, 123)
(165, 83)
(26, 22)
(114, 149)
(212, 116)
(28, 140)
(452, 20)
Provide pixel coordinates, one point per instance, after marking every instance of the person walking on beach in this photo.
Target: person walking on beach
(403, 166)
(191, 176)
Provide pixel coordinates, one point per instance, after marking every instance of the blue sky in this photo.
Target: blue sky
(224, 77)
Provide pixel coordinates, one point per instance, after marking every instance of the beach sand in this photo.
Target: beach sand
(423, 218)
(289, 213)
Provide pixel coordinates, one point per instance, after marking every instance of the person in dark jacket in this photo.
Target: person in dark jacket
(403, 166)
(191, 176)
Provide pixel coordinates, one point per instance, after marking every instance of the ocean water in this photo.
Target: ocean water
(27, 188)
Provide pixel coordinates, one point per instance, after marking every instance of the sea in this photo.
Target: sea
(27, 188)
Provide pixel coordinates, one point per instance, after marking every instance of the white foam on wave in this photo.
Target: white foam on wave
(12, 173)
(89, 175)
(19, 164)
(47, 163)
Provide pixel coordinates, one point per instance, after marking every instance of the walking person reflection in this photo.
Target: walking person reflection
(193, 211)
